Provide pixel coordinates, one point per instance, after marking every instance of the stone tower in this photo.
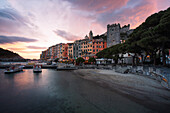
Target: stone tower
(113, 34)
(90, 35)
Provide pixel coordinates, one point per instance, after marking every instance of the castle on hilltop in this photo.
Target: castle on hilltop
(116, 34)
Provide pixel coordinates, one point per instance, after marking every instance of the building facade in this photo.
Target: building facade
(70, 50)
(98, 45)
(116, 33)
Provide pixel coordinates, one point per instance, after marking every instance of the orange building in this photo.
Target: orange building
(64, 51)
(98, 45)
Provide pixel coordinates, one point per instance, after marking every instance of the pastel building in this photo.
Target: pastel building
(63, 51)
(77, 49)
(98, 45)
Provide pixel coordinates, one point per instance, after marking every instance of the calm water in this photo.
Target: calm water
(59, 92)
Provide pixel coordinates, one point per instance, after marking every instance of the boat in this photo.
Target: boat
(37, 69)
(13, 69)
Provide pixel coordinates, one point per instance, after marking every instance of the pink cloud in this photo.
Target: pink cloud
(99, 6)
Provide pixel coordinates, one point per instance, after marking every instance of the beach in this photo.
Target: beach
(141, 89)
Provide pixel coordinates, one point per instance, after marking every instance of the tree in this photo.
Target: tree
(80, 60)
(92, 60)
(152, 37)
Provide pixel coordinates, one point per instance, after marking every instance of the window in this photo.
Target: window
(103, 46)
(93, 50)
(97, 50)
(99, 42)
(100, 47)
(93, 42)
(88, 45)
(96, 46)
(93, 46)
(90, 49)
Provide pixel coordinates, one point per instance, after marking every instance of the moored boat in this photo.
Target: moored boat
(37, 69)
(13, 69)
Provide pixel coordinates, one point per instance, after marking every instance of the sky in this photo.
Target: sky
(31, 26)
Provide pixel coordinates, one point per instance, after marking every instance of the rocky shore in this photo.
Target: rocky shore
(141, 89)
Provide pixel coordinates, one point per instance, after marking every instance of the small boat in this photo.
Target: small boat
(13, 69)
(37, 69)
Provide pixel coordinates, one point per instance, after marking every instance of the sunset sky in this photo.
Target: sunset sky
(30, 26)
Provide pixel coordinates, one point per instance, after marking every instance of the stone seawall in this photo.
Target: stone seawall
(161, 74)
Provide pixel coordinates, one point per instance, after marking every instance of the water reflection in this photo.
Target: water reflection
(37, 77)
(58, 92)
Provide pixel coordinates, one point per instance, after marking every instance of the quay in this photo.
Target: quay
(31, 66)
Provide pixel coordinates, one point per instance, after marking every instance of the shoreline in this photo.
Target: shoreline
(141, 89)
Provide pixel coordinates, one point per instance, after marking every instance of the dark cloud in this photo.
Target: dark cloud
(36, 47)
(128, 15)
(13, 39)
(66, 35)
(11, 21)
(99, 6)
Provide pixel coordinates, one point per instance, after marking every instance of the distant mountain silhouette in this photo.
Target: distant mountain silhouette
(6, 54)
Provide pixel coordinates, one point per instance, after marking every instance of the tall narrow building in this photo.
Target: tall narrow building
(90, 35)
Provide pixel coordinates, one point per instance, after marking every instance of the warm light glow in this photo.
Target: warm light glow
(46, 23)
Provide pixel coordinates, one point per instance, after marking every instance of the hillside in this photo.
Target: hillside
(151, 38)
(6, 54)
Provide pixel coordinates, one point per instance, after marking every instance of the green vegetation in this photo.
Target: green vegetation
(80, 60)
(92, 60)
(152, 37)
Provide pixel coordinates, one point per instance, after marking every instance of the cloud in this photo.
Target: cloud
(66, 35)
(16, 49)
(29, 52)
(11, 22)
(36, 47)
(13, 39)
(99, 6)
(133, 15)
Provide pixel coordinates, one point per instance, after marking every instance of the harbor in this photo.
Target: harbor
(67, 92)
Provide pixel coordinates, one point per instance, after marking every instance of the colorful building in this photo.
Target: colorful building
(98, 45)
(85, 48)
(64, 51)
